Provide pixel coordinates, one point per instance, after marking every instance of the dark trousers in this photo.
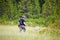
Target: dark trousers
(22, 27)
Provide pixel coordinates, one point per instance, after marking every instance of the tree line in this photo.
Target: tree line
(40, 12)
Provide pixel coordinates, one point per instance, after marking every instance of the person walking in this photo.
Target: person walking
(22, 24)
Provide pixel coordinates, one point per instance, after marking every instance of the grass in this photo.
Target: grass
(12, 33)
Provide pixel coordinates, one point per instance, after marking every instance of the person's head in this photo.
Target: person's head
(21, 17)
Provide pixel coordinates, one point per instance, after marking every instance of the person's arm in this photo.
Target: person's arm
(24, 23)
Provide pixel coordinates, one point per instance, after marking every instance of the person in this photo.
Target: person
(22, 24)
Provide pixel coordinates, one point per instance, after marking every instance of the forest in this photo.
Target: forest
(38, 12)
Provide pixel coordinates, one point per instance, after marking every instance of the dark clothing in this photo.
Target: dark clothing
(22, 28)
(21, 21)
(22, 25)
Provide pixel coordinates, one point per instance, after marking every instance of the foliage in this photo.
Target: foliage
(38, 12)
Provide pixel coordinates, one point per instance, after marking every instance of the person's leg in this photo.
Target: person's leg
(24, 28)
(20, 28)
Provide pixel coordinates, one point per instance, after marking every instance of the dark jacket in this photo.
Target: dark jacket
(21, 21)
